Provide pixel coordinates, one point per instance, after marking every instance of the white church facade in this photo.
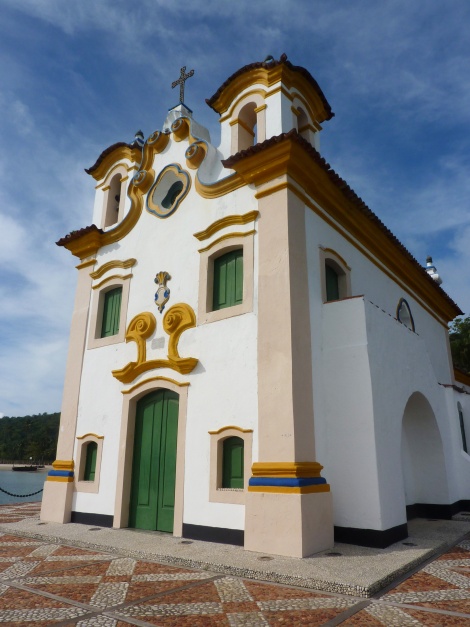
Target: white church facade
(254, 358)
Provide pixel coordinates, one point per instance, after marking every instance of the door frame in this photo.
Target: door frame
(126, 448)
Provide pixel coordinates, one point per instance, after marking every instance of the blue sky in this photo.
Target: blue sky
(76, 77)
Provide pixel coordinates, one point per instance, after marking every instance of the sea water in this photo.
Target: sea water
(21, 483)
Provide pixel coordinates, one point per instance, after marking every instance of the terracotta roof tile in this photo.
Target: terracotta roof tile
(108, 151)
(269, 64)
(349, 193)
(77, 234)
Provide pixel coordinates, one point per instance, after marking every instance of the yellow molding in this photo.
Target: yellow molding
(230, 427)
(261, 108)
(243, 125)
(63, 464)
(124, 277)
(307, 127)
(225, 222)
(224, 237)
(257, 92)
(128, 263)
(462, 377)
(123, 152)
(267, 191)
(87, 435)
(219, 188)
(290, 158)
(89, 243)
(330, 251)
(291, 470)
(295, 111)
(195, 154)
(60, 479)
(167, 379)
(86, 264)
(309, 489)
(178, 318)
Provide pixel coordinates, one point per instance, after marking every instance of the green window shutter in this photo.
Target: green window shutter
(332, 284)
(90, 462)
(111, 312)
(228, 280)
(232, 463)
(462, 431)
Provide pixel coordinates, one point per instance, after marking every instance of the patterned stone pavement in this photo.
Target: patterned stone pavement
(44, 583)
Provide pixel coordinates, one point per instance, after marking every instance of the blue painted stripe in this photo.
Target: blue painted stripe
(298, 482)
(60, 473)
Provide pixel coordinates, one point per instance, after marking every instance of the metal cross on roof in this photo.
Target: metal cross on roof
(183, 77)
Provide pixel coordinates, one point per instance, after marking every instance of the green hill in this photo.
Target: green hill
(22, 437)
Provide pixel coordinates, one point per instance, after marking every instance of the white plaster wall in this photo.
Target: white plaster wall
(222, 387)
(344, 420)
(365, 365)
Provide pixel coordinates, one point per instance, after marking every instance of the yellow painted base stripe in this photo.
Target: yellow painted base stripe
(309, 489)
(61, 479)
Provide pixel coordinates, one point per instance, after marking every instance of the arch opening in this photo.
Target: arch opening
(422, 457)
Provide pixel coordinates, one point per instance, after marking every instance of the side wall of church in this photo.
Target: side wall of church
(366, 367)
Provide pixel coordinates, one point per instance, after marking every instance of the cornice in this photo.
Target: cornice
(290, 155)
(233, 220)
(268, 74)
(111, 156)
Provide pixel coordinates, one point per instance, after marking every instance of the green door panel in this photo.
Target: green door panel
(232, 463)
(154, 462)
(228, 280)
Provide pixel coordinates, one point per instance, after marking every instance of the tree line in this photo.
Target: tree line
(459, 335)
(25, 437)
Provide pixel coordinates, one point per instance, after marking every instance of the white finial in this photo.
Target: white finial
(431, 270)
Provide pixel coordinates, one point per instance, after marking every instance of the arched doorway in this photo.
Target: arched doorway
(422, 456)
(152, 499)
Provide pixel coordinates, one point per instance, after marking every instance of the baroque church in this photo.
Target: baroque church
(254, 357)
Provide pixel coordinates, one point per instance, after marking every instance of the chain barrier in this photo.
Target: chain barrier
(21, 496)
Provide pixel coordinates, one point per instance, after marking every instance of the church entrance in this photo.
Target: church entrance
(424, 471)
(152, 499)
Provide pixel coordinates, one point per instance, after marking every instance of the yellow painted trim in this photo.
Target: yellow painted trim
(195, 154)
(111, 278)
(261, 108)
(309, 489)
(86, 264)
(295, 111)
(307, 127)
(332, 252)
(87, 435)
(60, 479)
(272, 190)
(230, 427)
(128, 263)
(183, 176)
(243, 125)
(178, 318)
(225, 237)
(290, 158)
(124, 152)
(225, 222)
(234, 104)
(288, 470)
(462, 377)
(167, 379)
(63, 464)
(219, 188)
(89, 243)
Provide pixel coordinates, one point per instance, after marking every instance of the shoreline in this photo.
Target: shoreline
(9, 467)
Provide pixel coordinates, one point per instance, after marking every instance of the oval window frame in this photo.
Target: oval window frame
(170, 175)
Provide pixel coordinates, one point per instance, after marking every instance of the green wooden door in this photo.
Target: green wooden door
(154, 464)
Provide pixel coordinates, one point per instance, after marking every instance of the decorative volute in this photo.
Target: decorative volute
(431, 270)
(266, 99)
